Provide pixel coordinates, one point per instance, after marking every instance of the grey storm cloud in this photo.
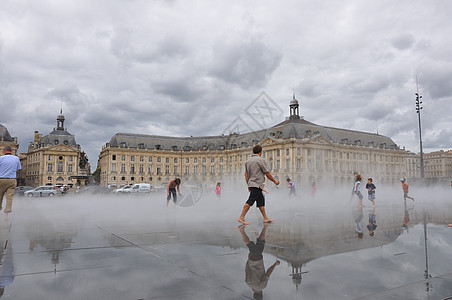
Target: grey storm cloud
(190, 68)
(403, 41)
(246, 61)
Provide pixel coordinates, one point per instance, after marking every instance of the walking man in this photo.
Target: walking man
(9, 165)
(255, 172)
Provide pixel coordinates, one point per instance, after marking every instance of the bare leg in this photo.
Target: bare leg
(264, 230)
(266, 219)
(245, 209)
(245, 237)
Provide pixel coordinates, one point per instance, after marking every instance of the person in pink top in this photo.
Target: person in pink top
(218, 191)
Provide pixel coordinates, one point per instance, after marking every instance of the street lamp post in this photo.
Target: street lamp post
(418, 110)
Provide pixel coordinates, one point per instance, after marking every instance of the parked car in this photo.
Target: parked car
(140, 188)
(122, 190)
(20, 190)
(42, 191)
(137, 188)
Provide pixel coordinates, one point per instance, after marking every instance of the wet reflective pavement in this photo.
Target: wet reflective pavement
(108, 247)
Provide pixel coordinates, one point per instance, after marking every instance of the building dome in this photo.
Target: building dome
(293, 102)
(4, 134)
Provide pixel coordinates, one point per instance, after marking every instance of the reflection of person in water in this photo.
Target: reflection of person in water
(372, 223)
(406, 219)
(255, 275)
(358, 216)
(7, 268)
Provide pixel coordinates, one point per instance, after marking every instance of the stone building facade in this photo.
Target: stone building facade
(438, 165)
(296, 148)
(54, 158)
(413, 169)
(7, 140)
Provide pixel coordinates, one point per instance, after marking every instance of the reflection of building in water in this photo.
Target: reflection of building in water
(296, 148)
(53, 237)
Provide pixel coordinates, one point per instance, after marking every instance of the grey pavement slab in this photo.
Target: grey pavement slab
(102, 247)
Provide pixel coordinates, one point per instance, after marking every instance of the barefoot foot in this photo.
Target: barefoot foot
(268, 220)
(241, 220)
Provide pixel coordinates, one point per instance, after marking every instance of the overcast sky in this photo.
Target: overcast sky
(184, 68)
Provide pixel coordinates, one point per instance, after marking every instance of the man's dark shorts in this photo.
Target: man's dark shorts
(256, 196)
(172, 191)
(256, 249)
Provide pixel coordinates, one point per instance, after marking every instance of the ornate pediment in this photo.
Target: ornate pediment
(320, 140)
(269, 141)
(62, 148)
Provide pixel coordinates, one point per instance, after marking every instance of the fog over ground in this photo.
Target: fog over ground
(140, 66)
(143, 210)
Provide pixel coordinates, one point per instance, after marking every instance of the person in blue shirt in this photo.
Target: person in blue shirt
(357, 190)
(9, 165)
(291, 186)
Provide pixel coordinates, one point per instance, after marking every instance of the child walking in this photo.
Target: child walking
(357, 190)
(405, 190)
(218, 191)
(371, 191)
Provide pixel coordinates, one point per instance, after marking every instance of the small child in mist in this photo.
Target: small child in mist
(291, 186)
(313, 190)
(371, 191)
(405, 190)
(357, 190)
(218, 191)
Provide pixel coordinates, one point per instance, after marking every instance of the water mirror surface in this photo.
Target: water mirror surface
(112, 247)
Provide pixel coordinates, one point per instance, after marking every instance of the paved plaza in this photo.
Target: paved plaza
(95, 246)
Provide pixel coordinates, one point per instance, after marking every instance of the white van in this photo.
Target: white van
(139, 188)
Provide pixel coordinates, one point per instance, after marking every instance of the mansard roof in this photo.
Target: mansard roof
(57, 137)
(291, 128)
(300, 128)
(4, 134)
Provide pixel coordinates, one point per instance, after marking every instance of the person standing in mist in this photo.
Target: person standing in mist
(171, 190)
(255, 172)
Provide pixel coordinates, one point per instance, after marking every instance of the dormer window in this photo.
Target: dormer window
(157, 147)
(222, 147)
(141, 146)
(56, 142)
(174, 148)
(66, 142)
(123, 145)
